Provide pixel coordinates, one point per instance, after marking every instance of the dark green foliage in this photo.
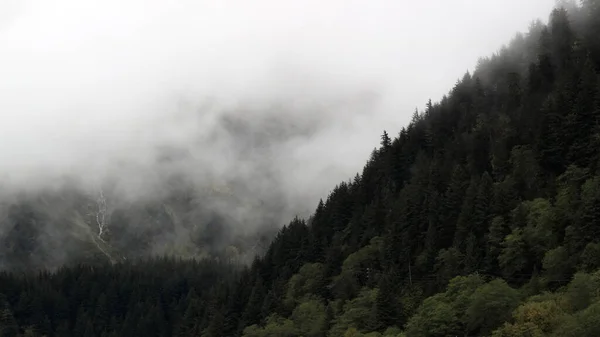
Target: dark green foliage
(8, 324)
(144, 298)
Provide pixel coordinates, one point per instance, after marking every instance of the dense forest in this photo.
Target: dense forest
(480, 218)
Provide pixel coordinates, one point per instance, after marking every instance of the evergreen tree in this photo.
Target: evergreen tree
(387, 310)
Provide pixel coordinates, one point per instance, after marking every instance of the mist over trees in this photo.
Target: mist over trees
(480, 218)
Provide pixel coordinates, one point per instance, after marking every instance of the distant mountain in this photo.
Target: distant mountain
(180, 205)
(47, 230)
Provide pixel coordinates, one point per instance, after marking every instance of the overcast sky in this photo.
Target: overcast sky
(86, 83)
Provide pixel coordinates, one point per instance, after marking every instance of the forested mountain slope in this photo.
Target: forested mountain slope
(480, 218)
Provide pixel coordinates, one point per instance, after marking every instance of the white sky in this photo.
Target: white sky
(85, 82)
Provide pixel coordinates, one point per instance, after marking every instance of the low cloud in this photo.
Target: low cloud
(279, 100)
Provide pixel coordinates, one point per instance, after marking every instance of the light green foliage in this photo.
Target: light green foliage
(434, 317)
(444, 314)
(337, 306)
(364, 256)
(352, 332)
(373, 334)
(518, 330)
(469, 306)
(557, 263)
(540, 231)
(411, 299)
(582, 324)
(583, 228)
(545, 315)
(534, 233)
(590, 258)
(491, 305)
(356, 268)
(447, 263)
(548, 296)
(460, 290)
(393, 332)
(590, 190)
(572, 312)
(308, 280)
(582, 291)
(357, 313)
(310, 318)
(275, 326)
(539, 316)
(533, 287)
(590, 209)
(513, 258)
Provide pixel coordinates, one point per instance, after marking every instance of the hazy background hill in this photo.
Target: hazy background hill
(190, 115)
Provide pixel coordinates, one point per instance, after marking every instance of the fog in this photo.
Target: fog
(284, 97)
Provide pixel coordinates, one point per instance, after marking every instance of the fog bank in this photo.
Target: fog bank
(284, 97)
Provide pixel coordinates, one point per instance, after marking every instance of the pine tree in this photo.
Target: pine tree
(482, 205)
(452, 202)
(464, 223)
(588, 226)
(253, 309)
(386, 142)
(551, 142)
(562, 37)
(591, 8)
(494, 238)
(387, 310)
(189, 324)
(585, 117)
